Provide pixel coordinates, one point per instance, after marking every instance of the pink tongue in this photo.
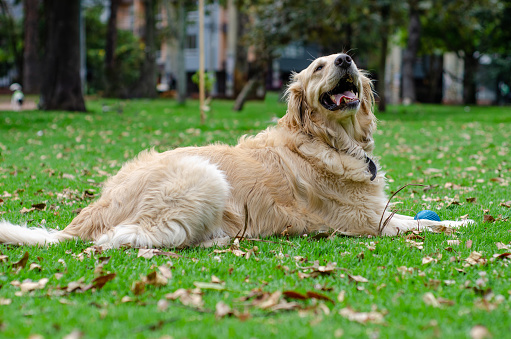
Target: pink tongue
(347, 94)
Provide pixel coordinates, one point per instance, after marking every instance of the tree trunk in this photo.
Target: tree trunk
(249, 87)
(112, 81)
(385, 18)
(410, 53)
(435, 78)
(62, 86)
(31, 60)
(181, 67)
(469, 84)
(146, 86)
(241, 62)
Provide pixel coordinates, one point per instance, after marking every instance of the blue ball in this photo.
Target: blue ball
(427, 214)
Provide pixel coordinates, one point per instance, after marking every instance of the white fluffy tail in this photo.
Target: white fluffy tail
(23, 235)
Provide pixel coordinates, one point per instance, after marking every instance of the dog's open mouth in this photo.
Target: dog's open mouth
(343, 96)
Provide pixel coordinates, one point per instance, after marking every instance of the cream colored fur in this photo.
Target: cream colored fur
(307, 174)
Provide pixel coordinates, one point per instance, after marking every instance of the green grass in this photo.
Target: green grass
(60, 159)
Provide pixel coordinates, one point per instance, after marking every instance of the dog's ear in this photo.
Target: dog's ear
(365, 116)
(297, 106)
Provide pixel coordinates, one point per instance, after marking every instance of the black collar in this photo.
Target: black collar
(371, 166)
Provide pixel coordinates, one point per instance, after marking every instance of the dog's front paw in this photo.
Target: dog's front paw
(458, 223)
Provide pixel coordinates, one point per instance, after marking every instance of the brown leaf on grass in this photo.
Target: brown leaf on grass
(475, 258)
(100, 281)
(165, 271)
(357, 278)
(75, 334)
(5, 301)
(148, 253)
(29, 285)
(307, 296)
(471, 200)
(502, 246)
(155, 279)
(22, 262)
(138, 287)
(441, 229)
(318, 296)
(453, 242)
(33, 266)
(4, 258)
(506, 204)
(362, 317)
(79, 286)
(162, 305)
(222, 310)
(431, 300)
(416, 244)
(479, 332)
(428, 260)
(187, 297)
(25, 210)
(295, 295)
(316, 270)
(468, 244)
(341, 296)
(40, 206)
(488, 218)
(506, 255)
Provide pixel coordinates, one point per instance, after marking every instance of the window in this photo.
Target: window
(191, 41)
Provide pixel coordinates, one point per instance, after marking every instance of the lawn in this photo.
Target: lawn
(428, 285)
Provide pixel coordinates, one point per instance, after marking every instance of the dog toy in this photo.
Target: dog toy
(427, 214)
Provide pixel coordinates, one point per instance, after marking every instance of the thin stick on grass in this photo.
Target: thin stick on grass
(382, 227)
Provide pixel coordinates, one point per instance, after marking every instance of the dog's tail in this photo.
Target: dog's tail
(23, 235)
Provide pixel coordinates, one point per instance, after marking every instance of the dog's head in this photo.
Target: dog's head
(332, 99)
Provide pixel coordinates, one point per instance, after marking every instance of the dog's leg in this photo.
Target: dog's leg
(157, 202)
(400, 223)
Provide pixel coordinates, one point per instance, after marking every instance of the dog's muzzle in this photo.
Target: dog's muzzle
(345, 93)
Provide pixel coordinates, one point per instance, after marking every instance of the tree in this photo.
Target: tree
(112, 80)
(410, 52)
(467, 28)
(62, 87)
(10, 37)
(146, 86)
(31, 59)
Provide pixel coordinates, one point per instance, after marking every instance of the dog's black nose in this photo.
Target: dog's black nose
(343, 60)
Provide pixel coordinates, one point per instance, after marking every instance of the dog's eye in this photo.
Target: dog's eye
(319, 68)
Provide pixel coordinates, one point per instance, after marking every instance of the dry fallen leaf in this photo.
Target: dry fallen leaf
(502, 246)
(468, 244)
(431, 300)
(165, 271)
(187, 297)
(341, 296)
(76, 334)
(362, 317)
(5, 301)
(479, 332)
(453, 242)
(148, 253)
(29, 285)
(155, 279)
(475, 258)
(488, 218)
(22, 262)
(357, 278)
(222, 309)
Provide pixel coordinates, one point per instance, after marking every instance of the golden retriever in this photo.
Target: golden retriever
(313, 171)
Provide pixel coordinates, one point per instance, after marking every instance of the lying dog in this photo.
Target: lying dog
(312, 172)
